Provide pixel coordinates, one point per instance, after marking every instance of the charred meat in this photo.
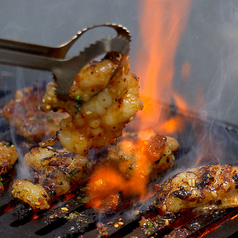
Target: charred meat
(33, 194)
(101, 105)
(23, 113)
(8, 156)
(202, 189)
(129, 168)
(157, 147)
(55, 173)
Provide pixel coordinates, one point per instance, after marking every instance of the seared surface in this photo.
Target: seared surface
(8, 157)
(206, 188)
(34, 195)
(23, 113)
(157, 148)
(54, 172)
(129, 167)
(100, 106)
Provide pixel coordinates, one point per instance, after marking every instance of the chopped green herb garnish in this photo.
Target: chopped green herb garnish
(69, 178)
(84, 200)
(78, 105)
(7, 143)
(49, 117)
(78, 98)
(82, 189)
(73, 215)
(150, 224)
(75, 171)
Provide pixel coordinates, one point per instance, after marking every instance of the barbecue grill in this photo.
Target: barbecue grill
(19, 220)
(205, 52)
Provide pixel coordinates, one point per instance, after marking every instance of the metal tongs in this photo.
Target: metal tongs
(52, 58)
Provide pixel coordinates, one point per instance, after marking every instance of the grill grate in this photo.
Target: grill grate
(21, 221)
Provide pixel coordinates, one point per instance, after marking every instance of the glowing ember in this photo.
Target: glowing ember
(9, 208)
(34, 216)
(68, 196)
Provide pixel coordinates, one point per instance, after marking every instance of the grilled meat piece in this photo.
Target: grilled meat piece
(202, 189)
(38, 157)
(128, 169)
(23, 113)
(8, 157)
(101, 105)
(103, 188)
(55, 173)
(33, 194)
(158, 149)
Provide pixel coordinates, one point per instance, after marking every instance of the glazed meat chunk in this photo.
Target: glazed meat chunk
(100, 105)
(205, 188)
(130, 165)
(54, 173)
(23, 113)
(8, 156)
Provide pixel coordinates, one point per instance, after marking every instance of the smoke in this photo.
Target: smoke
(217, 143)
(205, 77)
(209, 44)
(22, 171)
(21, 144)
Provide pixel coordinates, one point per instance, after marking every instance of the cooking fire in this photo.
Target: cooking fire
(110, 158)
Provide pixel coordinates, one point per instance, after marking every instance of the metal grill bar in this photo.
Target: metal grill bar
(18, 222)
(11, 222)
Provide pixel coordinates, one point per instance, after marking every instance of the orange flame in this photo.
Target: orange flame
(68, 196)
(108, 180)
(161, 24)
(34, 216)
(172, 125)
(9, 207)
(103, 187)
